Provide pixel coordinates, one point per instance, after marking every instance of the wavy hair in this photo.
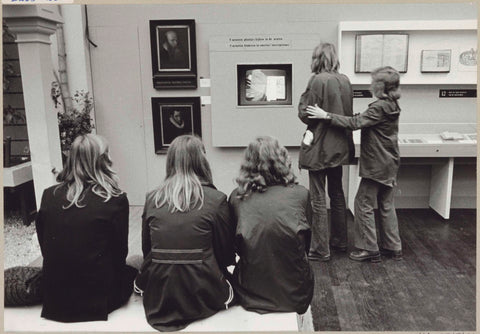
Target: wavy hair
(325, 59)
(187, 170)
(265, 163)
(88, 166)
(386, 83)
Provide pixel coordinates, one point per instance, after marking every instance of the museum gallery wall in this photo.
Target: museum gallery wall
(251, 69)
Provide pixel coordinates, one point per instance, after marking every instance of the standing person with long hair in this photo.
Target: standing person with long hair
(187, 242)
(325, 149)
(272, 213)
(379, 163)
(82, 228)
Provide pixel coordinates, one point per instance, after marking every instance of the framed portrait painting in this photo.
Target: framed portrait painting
(173, 117)
(173, 46)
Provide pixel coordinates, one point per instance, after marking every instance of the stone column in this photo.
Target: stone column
(77, 49)
(33, 25)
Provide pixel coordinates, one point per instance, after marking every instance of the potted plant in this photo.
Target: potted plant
(75, 121)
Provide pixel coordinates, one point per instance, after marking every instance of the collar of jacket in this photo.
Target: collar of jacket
(209, 185)
(389, 100)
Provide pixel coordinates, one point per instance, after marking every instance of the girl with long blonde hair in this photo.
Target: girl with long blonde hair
(88, 165)
(82, 228)
(187, 170)
(187, 242)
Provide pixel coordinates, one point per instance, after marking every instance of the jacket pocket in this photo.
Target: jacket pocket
(306, 156)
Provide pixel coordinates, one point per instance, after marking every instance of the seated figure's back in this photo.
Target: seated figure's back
(273, 232)
(273, 273)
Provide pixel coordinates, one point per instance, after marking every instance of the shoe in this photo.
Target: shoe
(363, 255)
(316, 258)
(396, 255)
(338, 248)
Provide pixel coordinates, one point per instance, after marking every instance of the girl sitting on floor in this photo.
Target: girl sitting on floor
(82, 228)
(272, 213)
(187, 242)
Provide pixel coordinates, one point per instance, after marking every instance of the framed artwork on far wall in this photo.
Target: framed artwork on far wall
(436, 61)
(467, 61)
(376, 50)
(174, 54)
(173, 117)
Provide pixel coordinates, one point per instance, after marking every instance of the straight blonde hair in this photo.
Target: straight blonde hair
(88, 166)
(187, 170)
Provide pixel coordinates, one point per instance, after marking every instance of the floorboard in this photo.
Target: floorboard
(432, 289)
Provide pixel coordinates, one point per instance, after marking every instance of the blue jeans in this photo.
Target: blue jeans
(365, 234)
(323, 233)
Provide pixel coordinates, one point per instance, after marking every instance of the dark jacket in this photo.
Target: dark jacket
(331, 146)
(379, 153)
(172, 59)
(273, 235)
(84, 251)
(186, 256)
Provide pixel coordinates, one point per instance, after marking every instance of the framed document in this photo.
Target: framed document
(436, 61)
(376, 50)
(173, 117)
(174, 63)
(264, 84)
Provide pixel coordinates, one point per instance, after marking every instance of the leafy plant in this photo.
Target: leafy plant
(8, 69)
(75, 121)
(12, 116)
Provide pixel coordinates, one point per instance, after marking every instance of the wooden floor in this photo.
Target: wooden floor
(431, 289)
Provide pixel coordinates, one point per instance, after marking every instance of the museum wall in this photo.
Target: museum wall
(122, 85)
